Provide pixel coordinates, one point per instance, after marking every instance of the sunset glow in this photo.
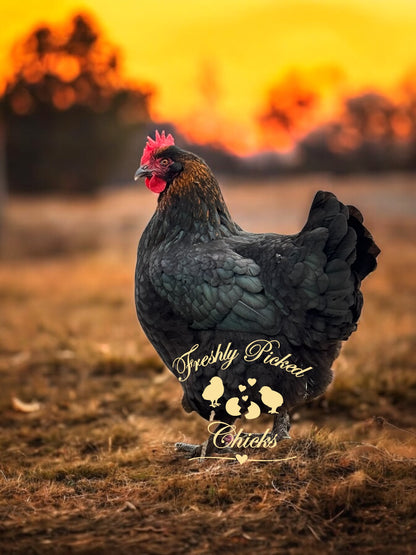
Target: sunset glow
(213, 63)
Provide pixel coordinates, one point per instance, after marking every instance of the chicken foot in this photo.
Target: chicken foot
(205, 448)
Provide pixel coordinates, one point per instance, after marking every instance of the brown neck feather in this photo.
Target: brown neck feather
(193, 202)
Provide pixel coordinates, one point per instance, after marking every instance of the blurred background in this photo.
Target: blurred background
(266, 88)
(270, 90)
(282, 98)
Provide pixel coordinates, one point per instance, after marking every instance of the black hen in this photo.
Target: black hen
(267, 311)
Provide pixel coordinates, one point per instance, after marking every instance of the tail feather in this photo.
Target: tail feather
(350, 256)
(366, 249)
(348, 239)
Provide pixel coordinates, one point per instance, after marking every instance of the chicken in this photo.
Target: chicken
(270, 398)
(256, 310)
(214, 391)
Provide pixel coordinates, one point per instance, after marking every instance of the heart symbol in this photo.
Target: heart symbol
(241, 458)
(251, 381)
(244, 397)
(242, 387)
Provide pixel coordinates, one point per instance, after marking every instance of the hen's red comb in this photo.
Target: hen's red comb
(159, 141)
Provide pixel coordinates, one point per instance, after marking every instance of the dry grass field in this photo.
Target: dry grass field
(89, 415)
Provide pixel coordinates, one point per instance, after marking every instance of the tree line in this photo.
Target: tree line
(67, 112)
(70, 122)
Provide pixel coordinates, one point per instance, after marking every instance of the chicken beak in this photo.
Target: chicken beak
(143, 171)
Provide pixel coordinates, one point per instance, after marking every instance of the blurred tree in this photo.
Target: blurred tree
(373, 133)
(406, 120)
(289, 110)
(68, 113)
(3, 179)
(205, 124)
(208, 83)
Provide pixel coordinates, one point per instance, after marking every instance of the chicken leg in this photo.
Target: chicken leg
(280, 430)
(208, 446)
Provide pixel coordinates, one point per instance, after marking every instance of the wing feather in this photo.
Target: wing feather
(214, 287)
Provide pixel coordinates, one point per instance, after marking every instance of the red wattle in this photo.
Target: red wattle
(155, 184)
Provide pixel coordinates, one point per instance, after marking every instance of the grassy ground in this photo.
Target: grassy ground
(94, 470)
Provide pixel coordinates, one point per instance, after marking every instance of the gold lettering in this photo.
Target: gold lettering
(237, 441)
(226, 429)
(283, 361)
(253, 442)
(272, 443)
(264, 348)
(290, 366)
(256, 350)
(301, 372)
(228, 356)
(184, 363)
(240, 440)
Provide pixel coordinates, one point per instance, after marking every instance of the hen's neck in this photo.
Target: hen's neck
(192, 208)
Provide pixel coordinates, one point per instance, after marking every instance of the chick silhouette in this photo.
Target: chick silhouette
(270, 398)
(213, 391)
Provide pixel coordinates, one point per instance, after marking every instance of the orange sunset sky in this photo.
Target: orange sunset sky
(340, 47)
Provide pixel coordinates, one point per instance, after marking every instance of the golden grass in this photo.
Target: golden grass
(95, 470)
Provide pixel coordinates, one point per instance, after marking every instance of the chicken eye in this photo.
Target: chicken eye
(164, 162)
